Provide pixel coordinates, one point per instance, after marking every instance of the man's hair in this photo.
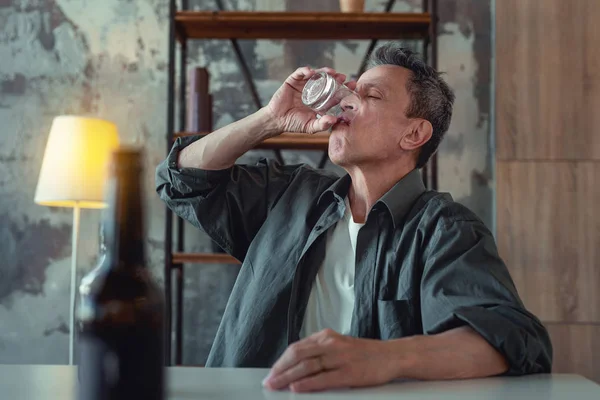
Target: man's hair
(430, 97)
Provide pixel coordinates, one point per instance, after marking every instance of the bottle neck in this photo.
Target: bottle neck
(124, 224)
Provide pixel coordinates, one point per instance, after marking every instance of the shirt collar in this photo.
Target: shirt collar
(398, 200)
(401, 197)
(338, 190)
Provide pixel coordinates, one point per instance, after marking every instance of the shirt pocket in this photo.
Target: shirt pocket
(396, 319)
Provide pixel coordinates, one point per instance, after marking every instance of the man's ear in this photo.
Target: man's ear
(418, 133)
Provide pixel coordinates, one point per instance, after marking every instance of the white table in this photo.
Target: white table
(45, 382)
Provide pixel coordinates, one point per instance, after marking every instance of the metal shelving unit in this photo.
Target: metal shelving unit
(233, 25)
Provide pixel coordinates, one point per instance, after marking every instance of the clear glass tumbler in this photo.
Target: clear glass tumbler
(324, 94)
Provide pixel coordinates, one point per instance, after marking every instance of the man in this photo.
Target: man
(360, 280)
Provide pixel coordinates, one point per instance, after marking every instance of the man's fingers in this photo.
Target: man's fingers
(340, 78)
(301, 74)
(303, 369)
(351, 85)
(334, 379)
(321, 124)
(293, 355)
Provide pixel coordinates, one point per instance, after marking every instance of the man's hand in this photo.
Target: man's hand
(328, 360)
(286, 105)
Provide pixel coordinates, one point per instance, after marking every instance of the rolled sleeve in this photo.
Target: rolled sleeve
(466, 282)
(174, 183)
(230, 205)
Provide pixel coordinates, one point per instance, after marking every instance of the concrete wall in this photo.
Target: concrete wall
(109, 59)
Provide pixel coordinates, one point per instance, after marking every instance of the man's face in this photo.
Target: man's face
(374, 134)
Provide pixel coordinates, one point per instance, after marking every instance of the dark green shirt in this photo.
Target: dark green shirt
(424, 263)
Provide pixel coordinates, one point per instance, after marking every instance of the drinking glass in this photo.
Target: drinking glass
(323, 94)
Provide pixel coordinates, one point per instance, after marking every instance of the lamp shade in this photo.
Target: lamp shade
(75, 164)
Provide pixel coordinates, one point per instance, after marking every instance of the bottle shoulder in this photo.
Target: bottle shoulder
(117, 295)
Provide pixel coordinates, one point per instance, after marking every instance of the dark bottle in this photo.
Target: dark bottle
(121, 314)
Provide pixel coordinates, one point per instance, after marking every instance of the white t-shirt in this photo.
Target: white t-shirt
(331, 300)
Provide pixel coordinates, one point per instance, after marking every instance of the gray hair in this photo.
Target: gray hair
(430, 96)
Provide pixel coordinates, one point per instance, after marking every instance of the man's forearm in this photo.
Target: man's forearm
(459, 353)
(223, 147)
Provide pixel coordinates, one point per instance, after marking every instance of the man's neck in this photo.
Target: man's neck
(369, 185)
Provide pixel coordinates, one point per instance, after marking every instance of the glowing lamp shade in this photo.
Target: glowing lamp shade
(74, 168)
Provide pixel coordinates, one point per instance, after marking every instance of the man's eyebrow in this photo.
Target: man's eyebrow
(373, 85)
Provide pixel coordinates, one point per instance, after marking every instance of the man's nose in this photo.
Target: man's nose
(349, 103)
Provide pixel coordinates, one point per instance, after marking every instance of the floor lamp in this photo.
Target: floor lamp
(73, 174)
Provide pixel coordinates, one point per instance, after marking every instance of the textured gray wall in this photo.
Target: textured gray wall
(109, 59)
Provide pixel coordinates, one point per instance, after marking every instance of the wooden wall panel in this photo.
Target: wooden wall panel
(548, 168)
(576, 349)
(548, 232)
(548, 79)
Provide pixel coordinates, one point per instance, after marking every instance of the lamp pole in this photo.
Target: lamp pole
(75, 245)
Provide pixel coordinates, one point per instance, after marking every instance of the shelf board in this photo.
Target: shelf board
(208, 258)
(300, 25)
(285, 141)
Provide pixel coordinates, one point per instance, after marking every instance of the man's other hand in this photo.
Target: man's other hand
(328, 360)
